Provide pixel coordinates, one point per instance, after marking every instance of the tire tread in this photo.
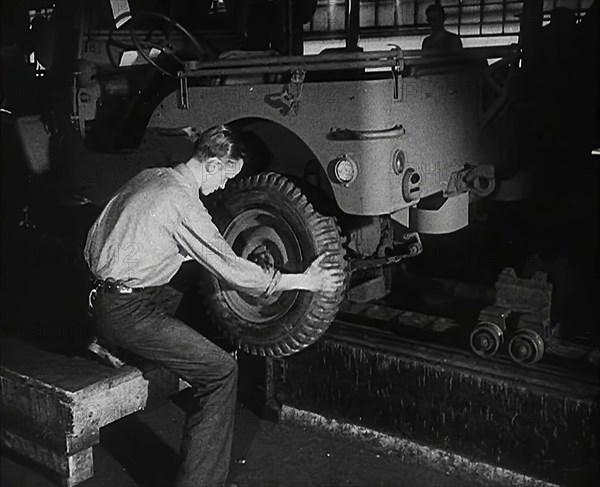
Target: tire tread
(322, 309)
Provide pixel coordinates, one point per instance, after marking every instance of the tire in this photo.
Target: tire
(268, 209)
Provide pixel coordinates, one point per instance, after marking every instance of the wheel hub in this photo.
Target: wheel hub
(486, 339)
(264, 237)
(526, 347)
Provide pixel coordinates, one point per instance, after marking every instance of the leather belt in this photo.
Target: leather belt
(110, 286)
(114, 286)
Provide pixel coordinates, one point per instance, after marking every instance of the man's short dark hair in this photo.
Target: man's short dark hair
(435, 10)
(221, 142)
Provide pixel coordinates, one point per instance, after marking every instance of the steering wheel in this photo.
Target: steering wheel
(165, 47)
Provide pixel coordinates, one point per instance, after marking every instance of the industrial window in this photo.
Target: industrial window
(468, 18)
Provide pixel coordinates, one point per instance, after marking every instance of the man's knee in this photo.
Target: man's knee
(225, 375)
(221, 374)
(230, 368)
(222, 371)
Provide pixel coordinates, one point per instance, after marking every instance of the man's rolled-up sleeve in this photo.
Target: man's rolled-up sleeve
(200, 238)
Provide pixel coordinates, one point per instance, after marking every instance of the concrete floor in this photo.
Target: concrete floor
(139, 451)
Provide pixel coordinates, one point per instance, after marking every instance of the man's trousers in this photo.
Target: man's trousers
(143, 322)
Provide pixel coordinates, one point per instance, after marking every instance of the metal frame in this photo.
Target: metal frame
(335, 61)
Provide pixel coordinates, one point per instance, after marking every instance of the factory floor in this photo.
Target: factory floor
(44, 302)
(140, 451)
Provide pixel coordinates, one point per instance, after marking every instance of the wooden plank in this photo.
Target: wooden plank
(49, 435)
(118, 401)
(66, 398)
(70, 421)
(56, 373)
(68, 470)
(53, 406)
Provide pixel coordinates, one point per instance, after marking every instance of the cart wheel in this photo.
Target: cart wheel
(526, 347)
(486, 339)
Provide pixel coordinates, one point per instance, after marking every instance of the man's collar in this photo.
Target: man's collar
(188, 174)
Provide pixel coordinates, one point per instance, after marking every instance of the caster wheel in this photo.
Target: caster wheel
(486, 339)
(526, 347)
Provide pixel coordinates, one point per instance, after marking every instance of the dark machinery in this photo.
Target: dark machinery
(522, 309)
(362, 152)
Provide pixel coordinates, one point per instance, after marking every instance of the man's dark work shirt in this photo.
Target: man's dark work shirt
(156, 222)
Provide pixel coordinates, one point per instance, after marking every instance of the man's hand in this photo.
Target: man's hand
(324, 277)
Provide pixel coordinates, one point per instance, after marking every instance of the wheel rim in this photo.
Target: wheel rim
(245, 233)
(526, 347)
(485, 339)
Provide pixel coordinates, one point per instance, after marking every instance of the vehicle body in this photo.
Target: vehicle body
(370, 148)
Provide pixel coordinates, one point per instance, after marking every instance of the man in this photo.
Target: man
(440, 38)
(137, 244)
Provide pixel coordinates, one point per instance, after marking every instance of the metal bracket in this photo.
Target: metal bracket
(398, 91)
(397, 72)
(184, 94)
(496, 315)
(289, 101)
(410, 246)
(480, 180)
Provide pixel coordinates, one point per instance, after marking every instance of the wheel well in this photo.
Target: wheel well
(272, 147)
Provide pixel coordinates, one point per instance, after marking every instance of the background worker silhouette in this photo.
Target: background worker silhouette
(439, 38)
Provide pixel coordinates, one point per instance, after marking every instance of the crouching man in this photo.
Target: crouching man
(148, 229)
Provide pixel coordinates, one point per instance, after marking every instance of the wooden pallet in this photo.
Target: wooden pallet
(53, 407)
